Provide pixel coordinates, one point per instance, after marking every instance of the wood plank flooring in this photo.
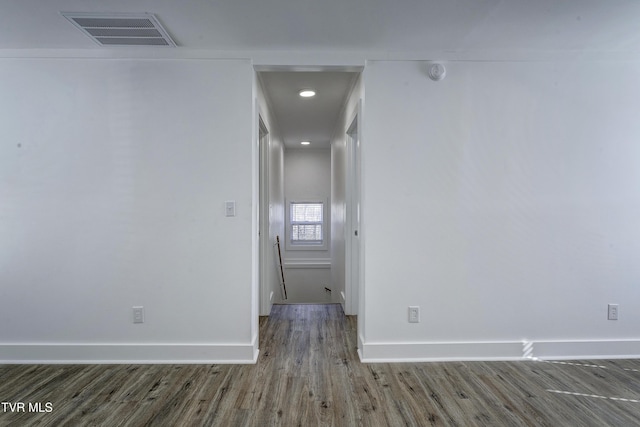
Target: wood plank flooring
(308, 374)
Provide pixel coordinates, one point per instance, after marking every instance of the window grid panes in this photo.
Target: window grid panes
(306, 223)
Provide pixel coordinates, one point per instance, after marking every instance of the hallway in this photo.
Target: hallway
(308, 374)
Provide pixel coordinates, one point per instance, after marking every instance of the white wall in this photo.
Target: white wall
(113, 177)
(504, 202)
(518, 180)
(274, 175)
(338, 212)
(339, 194)
(307, 175)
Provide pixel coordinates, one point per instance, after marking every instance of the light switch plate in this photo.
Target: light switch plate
(230, 208)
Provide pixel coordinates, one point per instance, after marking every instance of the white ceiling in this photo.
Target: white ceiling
(307, 119)
(346, 25)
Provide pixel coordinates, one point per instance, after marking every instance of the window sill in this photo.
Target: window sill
(302, 247)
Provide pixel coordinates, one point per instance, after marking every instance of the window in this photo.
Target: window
(306, 223)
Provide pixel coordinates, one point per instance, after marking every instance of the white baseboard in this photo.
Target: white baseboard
(439, 351)
(368, 352)
(128, 353)
(493, 351)
(587, 349)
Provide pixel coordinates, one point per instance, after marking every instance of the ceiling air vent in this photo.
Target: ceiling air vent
(141, 29)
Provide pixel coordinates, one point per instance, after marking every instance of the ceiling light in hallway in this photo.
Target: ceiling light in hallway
(307, 93)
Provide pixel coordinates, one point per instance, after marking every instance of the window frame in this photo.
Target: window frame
(302, 245)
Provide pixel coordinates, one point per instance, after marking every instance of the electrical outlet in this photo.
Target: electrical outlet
(612, 312)
(414, 314)
(138, 314)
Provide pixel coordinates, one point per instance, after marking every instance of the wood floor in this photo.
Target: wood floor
(308, 374)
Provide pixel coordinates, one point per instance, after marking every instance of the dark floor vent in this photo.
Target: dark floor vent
(121, 30)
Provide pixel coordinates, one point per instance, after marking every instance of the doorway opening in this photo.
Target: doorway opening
(308, 197)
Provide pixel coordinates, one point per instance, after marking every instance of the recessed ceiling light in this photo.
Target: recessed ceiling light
(305, 143)
(307, 93)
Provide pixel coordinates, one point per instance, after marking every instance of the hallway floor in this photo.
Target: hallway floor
(308, 374)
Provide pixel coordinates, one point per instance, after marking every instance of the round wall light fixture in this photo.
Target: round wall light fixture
(437, 72)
